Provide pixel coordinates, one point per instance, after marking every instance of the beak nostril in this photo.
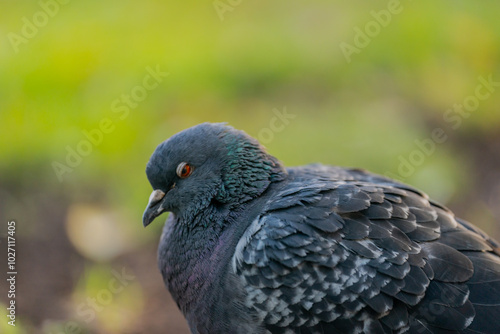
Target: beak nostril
(155, 197)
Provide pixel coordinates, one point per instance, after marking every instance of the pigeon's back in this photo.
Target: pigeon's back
(344, 251)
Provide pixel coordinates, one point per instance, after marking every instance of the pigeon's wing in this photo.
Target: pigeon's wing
(358, 257)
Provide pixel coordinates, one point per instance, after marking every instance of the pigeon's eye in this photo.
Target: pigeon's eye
(184, 170)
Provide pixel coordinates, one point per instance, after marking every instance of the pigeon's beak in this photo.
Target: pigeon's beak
(154, 208)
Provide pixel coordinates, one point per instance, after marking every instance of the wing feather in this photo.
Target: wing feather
(348, 252)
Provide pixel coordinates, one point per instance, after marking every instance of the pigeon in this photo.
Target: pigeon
(250, 246)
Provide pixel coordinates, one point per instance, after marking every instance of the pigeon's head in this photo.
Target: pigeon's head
(208, 164)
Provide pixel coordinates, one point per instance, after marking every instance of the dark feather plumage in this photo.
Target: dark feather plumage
(252, 247)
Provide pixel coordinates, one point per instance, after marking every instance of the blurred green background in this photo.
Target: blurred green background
(363, 84)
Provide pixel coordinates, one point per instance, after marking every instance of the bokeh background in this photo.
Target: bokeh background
(354, 83)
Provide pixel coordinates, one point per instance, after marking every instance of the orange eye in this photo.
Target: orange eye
(184, 170)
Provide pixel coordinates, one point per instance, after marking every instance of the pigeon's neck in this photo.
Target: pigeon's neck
(248, 171)
(195, 259)
(192, 256)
